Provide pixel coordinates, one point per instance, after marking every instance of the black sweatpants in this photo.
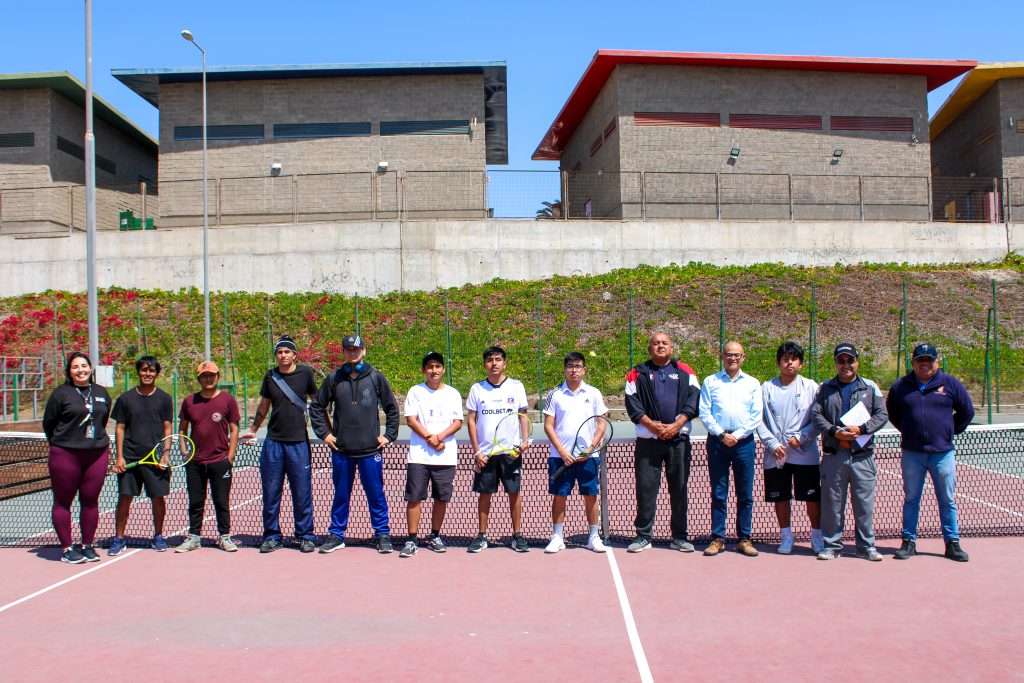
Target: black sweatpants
(651, 456)
(218, 474)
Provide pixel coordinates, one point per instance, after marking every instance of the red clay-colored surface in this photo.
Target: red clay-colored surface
(356, 615)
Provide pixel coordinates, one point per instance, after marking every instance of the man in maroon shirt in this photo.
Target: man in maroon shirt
(210, 417)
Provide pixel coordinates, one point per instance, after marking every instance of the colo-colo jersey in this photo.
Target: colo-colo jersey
(491, 403)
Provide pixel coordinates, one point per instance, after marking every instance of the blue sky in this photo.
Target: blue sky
(547, 44)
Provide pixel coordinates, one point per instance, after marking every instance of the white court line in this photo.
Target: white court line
(627, 615)
(961, 463)
(68, 580)
(928, 485)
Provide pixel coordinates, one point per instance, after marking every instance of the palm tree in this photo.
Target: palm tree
(550, 210)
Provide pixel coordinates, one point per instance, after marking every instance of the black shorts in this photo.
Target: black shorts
(779, 484)
(440, 477)
(502, 467)
(156, 481)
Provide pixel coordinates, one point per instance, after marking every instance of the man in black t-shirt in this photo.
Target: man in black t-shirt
(284, 393)
(143, 417)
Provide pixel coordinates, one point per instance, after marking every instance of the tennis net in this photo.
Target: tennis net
(989, 495)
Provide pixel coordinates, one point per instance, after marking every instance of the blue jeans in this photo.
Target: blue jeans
(740, 458)
(942, 468)
(276, 460)
(371, 476)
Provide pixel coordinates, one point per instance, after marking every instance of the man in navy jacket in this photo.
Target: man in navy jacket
(929, 407)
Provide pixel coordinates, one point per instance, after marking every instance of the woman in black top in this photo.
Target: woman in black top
(75, 423)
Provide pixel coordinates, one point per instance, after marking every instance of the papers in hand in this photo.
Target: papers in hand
(856, 416)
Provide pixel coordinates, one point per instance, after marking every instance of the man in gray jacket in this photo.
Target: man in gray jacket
(847, 461)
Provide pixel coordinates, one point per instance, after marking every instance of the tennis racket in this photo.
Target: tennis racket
(508, 436)
(592, 437)
(169, 452)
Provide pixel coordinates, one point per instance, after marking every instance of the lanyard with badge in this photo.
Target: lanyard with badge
(87, 421)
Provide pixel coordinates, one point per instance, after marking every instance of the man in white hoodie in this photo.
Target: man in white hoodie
(790, 438)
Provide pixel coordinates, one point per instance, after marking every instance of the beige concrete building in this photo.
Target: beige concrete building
(42, 128)
(327, 142)
(670, 134)
(978, 138)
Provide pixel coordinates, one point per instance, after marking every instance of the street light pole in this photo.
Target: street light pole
(90, 199)
(187, 35)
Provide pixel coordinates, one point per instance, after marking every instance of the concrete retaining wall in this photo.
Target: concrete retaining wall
(376, 257)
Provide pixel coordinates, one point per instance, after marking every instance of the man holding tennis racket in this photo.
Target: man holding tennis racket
(574, 422)
(285, 451)
(499, 432)
(354, 392)
(661, 400)
(143, 416)
(210, 416)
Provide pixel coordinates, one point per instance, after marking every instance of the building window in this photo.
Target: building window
(664, 118)
(224, 132)
(875, 123)
(609, 129)
(775, 121)
(452, 127)
(322, 130)
(77, 151)
(596, 145)
(1020, 126)
(17, 139)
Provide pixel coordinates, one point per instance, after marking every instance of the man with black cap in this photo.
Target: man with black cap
(929, 407)
(356, 390)
(847, 411)
(283, 395)
(433, 411)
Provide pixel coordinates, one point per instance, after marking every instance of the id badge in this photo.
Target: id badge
(90, 431)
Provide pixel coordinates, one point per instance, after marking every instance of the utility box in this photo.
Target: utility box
(128, 221)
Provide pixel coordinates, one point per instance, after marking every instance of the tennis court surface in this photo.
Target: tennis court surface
(498, 615)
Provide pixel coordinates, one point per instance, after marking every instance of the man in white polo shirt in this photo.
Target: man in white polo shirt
(433, 411)
(566, 410)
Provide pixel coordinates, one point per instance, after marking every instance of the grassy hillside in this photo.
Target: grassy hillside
(537, 322)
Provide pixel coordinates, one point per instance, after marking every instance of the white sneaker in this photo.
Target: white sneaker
(817, 541)
(786, 543)
(597, 545)
(227, 544)
(555, 545)
(191, 542)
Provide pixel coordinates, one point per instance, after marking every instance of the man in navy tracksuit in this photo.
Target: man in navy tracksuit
(929, 407)
(355, 390)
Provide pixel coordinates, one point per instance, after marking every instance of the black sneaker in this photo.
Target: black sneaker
(89, 553)
(409, 549)
(955, 552)
(436, 544)
(307, 545)
(72, 556)
(384, 544)
(907, 550)
(477, 544)
(270, 545)
(332, 543)
(519, 544)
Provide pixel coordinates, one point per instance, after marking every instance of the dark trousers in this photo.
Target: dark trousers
(651, 456)
(278, 459)
(740, 459)
(218, 475)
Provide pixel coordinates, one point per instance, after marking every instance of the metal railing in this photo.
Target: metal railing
(475, 194)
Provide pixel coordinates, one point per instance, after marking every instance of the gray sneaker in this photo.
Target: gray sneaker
(639, 545)
(870, 554)
(830, 554)
(436, 544)
(191, 542)
(409, 549)
(227, 544)
(682, 545)
(477, 544)
(519, 544)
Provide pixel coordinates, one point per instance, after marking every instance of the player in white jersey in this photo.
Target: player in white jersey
(433, 411)
(488, 402)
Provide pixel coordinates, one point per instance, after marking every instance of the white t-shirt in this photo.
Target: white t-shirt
(491, 403)
(570, 410)
(435, 411)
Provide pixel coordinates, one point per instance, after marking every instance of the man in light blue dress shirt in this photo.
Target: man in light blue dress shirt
(730, 408)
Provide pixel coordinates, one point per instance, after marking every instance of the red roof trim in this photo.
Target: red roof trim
(604, 62)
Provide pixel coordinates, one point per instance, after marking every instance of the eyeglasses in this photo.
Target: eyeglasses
(575, 367)
(732, 355)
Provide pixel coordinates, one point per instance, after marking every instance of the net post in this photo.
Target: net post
(995, 345)
(603, 473)
(540, 366)
(721, 328)
(15, 377)
(448, 339)
(630, 327)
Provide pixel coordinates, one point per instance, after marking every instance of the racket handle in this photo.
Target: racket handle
(559, 472)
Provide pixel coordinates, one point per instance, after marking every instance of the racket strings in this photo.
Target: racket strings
(509, 433)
